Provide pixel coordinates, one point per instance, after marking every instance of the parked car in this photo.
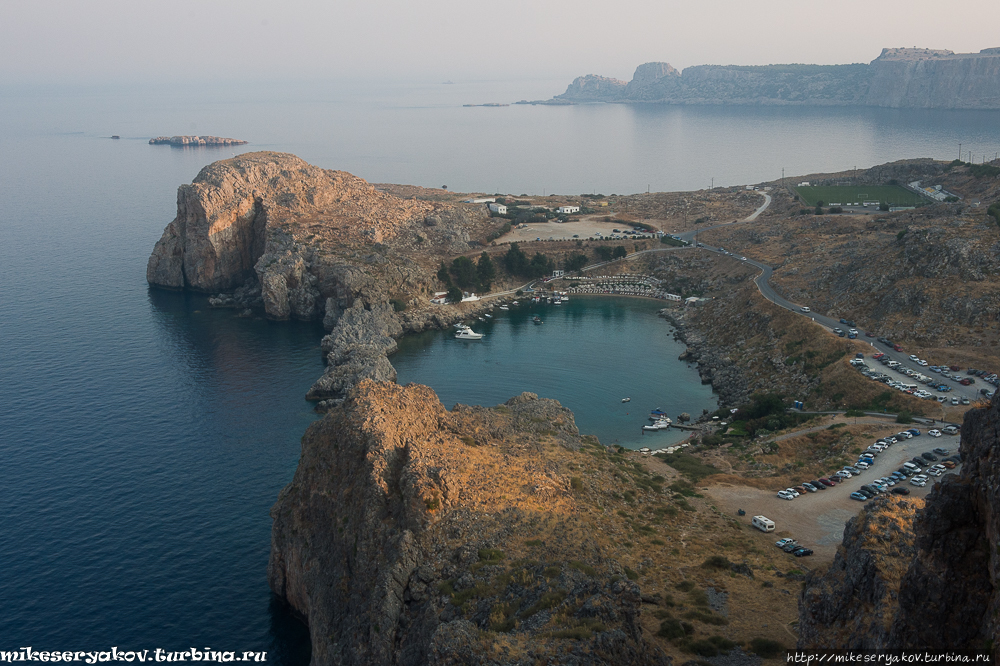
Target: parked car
(785, 495)
(808, 486)
(914, 432)
(827, 482)
(859, 497)
(804, 309)
(949, 464)
(934, 433)
(920, 483)
(783, 542)
(901, 491)
(929, 457)
(803, 552)
(940, 451)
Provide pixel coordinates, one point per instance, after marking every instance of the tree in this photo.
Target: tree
(443, 274)
(576, 261)
(515, 260)
(486, 272)
(619, 252)
(464, 272)
(540, 265)
(883, 206)
(603, 252)
(454, 294)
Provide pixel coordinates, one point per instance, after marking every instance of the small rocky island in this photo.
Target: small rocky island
(195, 141)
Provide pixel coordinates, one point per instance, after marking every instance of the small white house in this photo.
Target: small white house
(499, 209)
(486, 200)
(568, 209)
(558, 273)
(804, 183)
(673, 297)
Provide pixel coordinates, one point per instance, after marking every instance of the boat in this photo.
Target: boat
(556, 302)
(466, 333)
(482, 319)
(537, 320)
(658, 425)
(514, 303)
(626, 399)
(504, 307)
(488, 316)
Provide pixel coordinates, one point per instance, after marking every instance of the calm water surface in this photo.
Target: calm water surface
(144, 437)
(588, 354)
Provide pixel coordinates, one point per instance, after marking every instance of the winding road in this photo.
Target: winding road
(763, 282)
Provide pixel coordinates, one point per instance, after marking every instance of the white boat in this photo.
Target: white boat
(467, 333)
(481, 319)
(662, 424)
(504, 307)
(557, 302)
(514, 303)
(488, 316)
(626, 399)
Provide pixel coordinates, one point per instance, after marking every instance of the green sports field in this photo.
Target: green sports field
(846, 195)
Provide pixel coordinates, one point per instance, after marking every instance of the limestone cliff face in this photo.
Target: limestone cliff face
(902, 78)
(947, 599)
(898, 78)
(396, 539)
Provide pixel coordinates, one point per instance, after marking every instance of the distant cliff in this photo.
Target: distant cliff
(925, 579)
(898, 78)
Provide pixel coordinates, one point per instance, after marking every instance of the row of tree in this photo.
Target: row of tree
(463, 274)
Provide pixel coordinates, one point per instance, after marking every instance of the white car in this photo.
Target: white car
(934, 471)
(792, 491)
(861, 464)
(921, 362)
(914, 357)
(920, 483)
(805, 309)
(785, 495)
(934, 433)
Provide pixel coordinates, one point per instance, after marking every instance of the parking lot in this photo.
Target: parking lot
(817, 520)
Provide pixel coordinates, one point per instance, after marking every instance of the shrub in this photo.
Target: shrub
(673, 629)
(711, 646)
(766, 647)
(853, 412)
(632, 575)
(904, 417)
(716, 562)
(490, 555)
(576, 483)
(902, 232)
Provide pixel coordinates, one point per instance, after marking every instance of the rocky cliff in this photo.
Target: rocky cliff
(897, 78)
(275, 233)
(398, 539)
(927, 581)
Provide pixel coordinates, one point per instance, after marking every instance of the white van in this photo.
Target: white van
(763, 523)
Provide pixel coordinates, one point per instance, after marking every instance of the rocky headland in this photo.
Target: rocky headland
(898, 78)
(408, 536)
(268, 231)
(189, 140)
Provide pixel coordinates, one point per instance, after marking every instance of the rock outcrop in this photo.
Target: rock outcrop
(592, 88)
(898, 78)
(240, 211)
(932, 586)
(396, 539)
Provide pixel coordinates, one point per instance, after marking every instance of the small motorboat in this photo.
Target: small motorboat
(538, 320)
(504, 307)
(482, 319)
(626, 399)
(466, 333)
(514, 303)
(658, 425)
(488, 315)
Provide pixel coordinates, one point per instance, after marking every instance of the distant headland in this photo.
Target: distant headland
(195, 141)
(898, 78)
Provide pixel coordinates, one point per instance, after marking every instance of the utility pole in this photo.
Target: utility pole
(959, 152)
(713, 183)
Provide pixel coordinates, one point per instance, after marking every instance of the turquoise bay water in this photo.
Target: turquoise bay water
(588, 354)
(144, 437)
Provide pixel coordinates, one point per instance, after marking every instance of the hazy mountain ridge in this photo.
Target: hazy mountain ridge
(898, 78)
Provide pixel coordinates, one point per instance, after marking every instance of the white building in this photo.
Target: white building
(672, 297)
(499, 209)
(486, 200)
(568, 209)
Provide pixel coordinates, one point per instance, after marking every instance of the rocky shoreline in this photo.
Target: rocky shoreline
(714, 365)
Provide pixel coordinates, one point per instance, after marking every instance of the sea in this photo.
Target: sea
(144, 436)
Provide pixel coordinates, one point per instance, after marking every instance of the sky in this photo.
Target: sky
(108, 41)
